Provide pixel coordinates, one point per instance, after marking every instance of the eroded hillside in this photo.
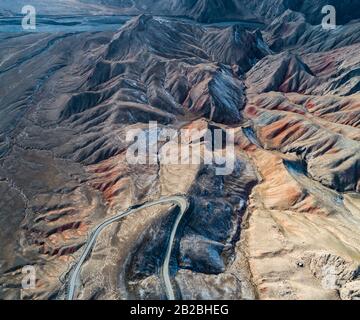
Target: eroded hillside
(285, 224)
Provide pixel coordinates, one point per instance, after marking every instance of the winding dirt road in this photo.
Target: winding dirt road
(180, 201)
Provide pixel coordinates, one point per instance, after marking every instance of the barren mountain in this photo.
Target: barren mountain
(284, 224)
(200, 10)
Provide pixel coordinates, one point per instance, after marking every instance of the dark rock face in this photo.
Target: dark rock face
(288, 211)
(214, 223)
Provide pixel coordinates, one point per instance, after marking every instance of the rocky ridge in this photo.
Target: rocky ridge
(283, 225)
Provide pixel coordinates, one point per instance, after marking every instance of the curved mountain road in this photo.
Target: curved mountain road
(180, 201)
